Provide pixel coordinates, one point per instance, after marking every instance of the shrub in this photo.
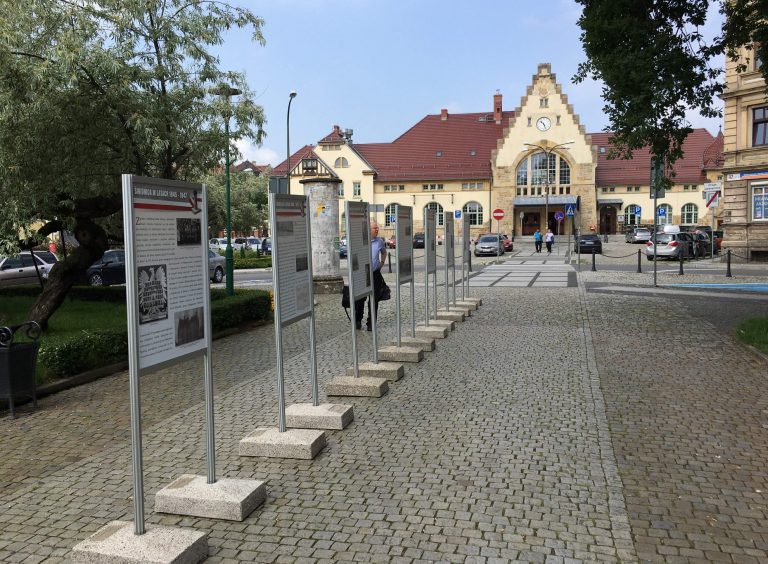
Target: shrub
(251, 262)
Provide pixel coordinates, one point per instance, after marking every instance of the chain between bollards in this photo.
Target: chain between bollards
(639, 264)
(593, 260)
(728, 263)
(680, 256)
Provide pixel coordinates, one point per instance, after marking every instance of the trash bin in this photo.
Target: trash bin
(18, 362)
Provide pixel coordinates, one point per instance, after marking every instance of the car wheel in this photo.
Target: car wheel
(96, 280)
(476, 254)
(218, 275)
(649, 257)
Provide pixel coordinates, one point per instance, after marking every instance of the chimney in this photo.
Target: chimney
(444, 114)
(497, 107)
(337, 129)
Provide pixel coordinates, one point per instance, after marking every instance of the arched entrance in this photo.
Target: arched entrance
(608, 219)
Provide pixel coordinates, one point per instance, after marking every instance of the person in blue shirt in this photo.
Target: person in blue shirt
(378, 256)
(537, 240)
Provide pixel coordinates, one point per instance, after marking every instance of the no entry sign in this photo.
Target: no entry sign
(498, 214)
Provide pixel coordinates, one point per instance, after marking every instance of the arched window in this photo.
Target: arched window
(631, 215)
(667, 217)
(690, 214)
(341, 162)
(473, 213)
(438, 212)
(522, 173)
(565, 173)
(543, 168)
(389, 213)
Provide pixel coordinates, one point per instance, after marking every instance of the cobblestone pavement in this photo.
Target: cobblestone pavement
(580, 431)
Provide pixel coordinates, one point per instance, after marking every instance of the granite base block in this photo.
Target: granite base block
(470, 305)
(391, 371)
(450, 315)
(447, 323)
(324, 416)
(357, 387)
(426, 344)
(269, 442)
(477, 301)
(466, 310)
(116, 543)
(432, 331)
(227, 498)
(401, 354)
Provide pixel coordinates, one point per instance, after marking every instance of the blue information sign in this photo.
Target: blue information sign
(662, 212)
(638, 209)
(570, 211)
(559, 216)
(392, 219)
(457, 214)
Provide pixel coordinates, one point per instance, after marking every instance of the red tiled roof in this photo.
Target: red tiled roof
(413, 155)
(333, 137)
(689, 169)
(248, 165)
(306, 152)
(713, 155)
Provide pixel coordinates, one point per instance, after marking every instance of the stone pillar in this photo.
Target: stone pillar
(323, 194)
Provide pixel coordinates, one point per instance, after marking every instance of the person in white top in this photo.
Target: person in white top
(549, 238)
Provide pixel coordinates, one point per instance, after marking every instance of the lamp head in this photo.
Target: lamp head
(292, 94)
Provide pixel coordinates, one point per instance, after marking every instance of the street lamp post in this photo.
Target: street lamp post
(227, 92)
(547, 152)
(291, 96)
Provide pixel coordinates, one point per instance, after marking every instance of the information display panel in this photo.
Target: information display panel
(359, 249)
(404, 242)
(429, 240)
(450, 252)
(166, 268)
(290, 257)
(466, 244)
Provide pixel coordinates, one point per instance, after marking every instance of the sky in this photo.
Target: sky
(379, 66)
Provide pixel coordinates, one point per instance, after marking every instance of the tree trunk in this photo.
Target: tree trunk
(93, 243)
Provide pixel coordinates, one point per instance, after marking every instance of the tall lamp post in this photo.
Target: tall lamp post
(227, 92)
(291, 96)
(547, 151)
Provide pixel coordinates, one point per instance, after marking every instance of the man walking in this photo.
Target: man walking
(378, 256)
(537, 240)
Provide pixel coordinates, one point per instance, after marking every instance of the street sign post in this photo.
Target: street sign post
(498, 215)
(559, 216)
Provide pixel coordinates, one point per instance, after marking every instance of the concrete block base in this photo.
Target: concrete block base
(465, 309)
(401, 354)
(229, 499)
(424, 343)
(324, 416)
(447, 323)
(357, 387)
(464, 303)
(115, 543)
(327, 284)
(449, 315)
(391, 371)
(432, 331)
(477, 301)
(304, 444)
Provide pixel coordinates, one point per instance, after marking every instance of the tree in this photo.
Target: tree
(248, 201)
(92, 90)
(656, 64)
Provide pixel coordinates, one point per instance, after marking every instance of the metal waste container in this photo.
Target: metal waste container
(18, 362)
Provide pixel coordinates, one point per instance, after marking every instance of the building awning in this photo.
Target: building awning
(539, 201)
(611, 202)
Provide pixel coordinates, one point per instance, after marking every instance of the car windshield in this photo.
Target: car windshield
(642, 232)
(663, 238)
(488, 239)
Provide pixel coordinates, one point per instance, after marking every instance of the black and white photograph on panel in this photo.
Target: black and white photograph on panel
(355, 263)
(367, 275)
(153, 293)
(189, 325)
(366, 232)
(188, 231)
(302, 263)
(285, 228)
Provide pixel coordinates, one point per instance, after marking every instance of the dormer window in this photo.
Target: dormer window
(473, 153)
(309, 166)
(439, 154)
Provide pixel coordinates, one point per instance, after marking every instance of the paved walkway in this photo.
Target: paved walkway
(557, 425)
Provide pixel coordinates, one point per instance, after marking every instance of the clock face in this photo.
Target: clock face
(543, 123)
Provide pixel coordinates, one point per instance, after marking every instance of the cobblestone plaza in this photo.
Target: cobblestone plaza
(559, 423)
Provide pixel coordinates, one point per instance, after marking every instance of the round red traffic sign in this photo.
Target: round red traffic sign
(498, 214)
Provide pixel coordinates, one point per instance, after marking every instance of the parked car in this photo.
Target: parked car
(718, 236)
(671, 246)
(638, 235)
(266, 246)
(21, 269)
(588, 243)
(343, 248)
(702, 244)
(239, 243)
(217, 244)
(507, 242)
(108, 270)
(216, 266)
(418, 240)
(254, 243)
(391, 242)
(488, 245)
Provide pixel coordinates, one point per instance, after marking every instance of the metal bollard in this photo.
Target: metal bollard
(680, 256)
(593, 261)
(389, 262)
(639, 264)
(728, 262)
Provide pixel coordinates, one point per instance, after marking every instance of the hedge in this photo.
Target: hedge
(94, 349)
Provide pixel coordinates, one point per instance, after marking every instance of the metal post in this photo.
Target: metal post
(229, 258)
(593, 260)
(639, 266)
(312, 332)
(210, 441)
(352, 301)
(281, 425)
(426, 274)
(680, 257)
(728, 263)
(397, 274)
(389, 260)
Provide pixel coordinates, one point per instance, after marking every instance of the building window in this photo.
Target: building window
(760, 126)
(760, 202)
(544, 102)
(438, 153)
(309, 166)
(473, 213)
(602, 150)
(522, 173)
(438, 209)
(612, 189)
(604, 190)
(629, 188)
(529, 122)
(389, 213)
(431, 187)
(341, 189)
(355, 189)
(473, 153)
(667, 211)
(543, 168)
(341, 162)
(690, 214)
(565, 172)
(394, 187)
(472, 186)
(631, 217)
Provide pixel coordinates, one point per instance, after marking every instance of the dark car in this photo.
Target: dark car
(702, 244)
(418, 240)
(342, 249)
(109, 269)
(266, 246)
(391, 242)
(507, 242)
(588, 243)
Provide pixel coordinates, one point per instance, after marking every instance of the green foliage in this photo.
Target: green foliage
(83, 352)
(754, 331)
(248, 201)
(252, 262)
(656, 65)
(245, 306)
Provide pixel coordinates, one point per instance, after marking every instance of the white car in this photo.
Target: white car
(217, 244)
(21, 269)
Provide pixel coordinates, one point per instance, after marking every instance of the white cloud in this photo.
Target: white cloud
(258, 155)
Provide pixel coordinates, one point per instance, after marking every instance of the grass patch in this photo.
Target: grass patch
(754, 331)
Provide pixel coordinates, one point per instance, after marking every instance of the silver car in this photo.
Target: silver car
(21, 269)
(488, 245)
(216, 266)
(671, 246)
(638, 235)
